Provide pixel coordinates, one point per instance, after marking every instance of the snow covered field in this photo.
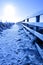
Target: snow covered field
(17, 49)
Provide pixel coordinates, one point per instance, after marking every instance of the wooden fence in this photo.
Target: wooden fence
(36, 29)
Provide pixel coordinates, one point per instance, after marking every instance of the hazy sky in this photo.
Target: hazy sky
(20, 8)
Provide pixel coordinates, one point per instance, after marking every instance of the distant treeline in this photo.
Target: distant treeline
(4, 26)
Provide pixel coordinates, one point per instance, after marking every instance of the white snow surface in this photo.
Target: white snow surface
(16, 48)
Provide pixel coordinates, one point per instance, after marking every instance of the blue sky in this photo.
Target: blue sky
(23, 8)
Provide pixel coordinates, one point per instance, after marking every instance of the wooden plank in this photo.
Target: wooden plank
(39, 24)
(40, 36)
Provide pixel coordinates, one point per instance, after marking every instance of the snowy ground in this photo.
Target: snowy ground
(17, 49)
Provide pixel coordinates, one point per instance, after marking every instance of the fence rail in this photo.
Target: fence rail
(36, 24)
(37, 34)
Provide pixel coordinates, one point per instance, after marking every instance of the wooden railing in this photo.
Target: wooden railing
(36, 29)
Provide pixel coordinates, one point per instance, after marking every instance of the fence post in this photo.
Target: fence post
(23, 20)
(27, 19)
(38, 18)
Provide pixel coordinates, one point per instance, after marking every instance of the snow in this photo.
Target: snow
(16, 48)
(37, 13)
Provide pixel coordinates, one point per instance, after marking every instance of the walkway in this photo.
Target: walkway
(17, 49)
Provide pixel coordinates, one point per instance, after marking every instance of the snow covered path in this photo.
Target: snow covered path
(16, 48)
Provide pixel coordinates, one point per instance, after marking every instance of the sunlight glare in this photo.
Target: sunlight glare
(9, 13)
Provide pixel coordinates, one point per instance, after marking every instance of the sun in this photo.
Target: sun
(9, 13)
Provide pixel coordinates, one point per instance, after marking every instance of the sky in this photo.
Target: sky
(17, 10)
